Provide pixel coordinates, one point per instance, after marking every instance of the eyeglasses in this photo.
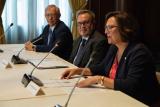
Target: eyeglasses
(50, 15)
(85, 23)
(109, 27)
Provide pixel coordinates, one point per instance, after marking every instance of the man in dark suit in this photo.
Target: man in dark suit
(55, 33)
(90, 42)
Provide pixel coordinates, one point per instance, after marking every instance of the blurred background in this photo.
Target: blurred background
(28, 18)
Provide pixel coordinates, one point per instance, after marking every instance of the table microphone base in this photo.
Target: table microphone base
(27, 78)
(57, 105)
(16, 60)
(1, 51)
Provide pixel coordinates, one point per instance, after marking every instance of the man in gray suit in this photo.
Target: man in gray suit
(90, 42)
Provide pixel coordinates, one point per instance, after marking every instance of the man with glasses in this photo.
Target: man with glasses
(56, 33)
(90, 44)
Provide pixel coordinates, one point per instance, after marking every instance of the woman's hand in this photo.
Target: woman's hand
(89, 81)
(70, 72)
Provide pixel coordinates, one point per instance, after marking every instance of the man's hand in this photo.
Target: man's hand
(29, 46)
(89, 81)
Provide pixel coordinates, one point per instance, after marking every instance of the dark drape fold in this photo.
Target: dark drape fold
(2, 37)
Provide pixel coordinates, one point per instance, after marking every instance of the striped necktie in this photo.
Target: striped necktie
(79, 55)
(49, 36)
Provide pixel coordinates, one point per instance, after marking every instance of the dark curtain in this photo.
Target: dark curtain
(2, 37)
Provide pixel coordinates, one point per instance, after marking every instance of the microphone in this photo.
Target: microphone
(4, 33)
(27, 78)
(81, 75)
(17, 60)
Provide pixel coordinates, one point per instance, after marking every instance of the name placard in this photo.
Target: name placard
(6, 64)
(35, 89)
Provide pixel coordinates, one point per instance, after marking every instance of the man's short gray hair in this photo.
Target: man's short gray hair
(54, 6)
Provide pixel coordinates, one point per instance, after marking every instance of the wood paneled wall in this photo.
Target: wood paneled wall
(145, 11)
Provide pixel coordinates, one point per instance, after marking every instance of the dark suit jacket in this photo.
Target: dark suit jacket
(135, 73)
(96, 43)
(61, 33)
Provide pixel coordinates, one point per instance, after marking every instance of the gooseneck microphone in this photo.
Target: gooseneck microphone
(17, 60)
(81, 75)
(27, 78)
(4, 33)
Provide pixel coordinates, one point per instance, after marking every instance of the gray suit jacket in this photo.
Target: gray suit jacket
(96, 43)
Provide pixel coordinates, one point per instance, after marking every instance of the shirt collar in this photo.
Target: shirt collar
(52, 28)
(86, 38)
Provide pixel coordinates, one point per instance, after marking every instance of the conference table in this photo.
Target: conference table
(56, 91)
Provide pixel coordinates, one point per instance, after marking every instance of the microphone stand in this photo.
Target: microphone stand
(27, 78)
(1, 51)
(17, 60)
(81, 75)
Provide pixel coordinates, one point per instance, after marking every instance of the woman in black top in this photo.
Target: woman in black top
(128, 65)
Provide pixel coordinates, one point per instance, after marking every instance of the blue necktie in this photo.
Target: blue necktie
(49, 36)
(79, 55)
